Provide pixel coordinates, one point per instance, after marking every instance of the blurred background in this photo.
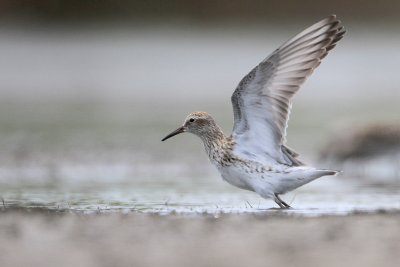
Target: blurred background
(89, 88)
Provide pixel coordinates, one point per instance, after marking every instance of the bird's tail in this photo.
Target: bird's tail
(301, 176)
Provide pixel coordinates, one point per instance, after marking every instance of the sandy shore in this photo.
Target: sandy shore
(43, 239)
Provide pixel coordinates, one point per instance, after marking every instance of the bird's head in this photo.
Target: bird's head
(199, 123)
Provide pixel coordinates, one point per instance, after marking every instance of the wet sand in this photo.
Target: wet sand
(52, 239)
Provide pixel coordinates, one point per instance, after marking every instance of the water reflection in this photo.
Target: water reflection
(340, 195)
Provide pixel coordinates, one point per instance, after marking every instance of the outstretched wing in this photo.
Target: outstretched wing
(262, 100)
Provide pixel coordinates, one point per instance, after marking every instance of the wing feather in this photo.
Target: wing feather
(262, 100)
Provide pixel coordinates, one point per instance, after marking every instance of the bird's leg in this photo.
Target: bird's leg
(281, 203)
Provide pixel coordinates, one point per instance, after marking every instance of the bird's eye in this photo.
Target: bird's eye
(191, 120)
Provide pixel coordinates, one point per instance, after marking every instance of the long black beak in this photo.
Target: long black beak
(177, 131)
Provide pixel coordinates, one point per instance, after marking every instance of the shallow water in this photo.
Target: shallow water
(330, 195)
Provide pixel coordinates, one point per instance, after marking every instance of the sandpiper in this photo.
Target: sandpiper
(255, 156)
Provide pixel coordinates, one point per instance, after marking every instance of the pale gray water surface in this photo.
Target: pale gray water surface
(200, 195)
(82, 114)
(336, 197)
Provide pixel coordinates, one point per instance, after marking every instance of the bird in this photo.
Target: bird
(255, 156)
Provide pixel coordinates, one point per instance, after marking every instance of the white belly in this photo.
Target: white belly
(235, 176)
(268, 183)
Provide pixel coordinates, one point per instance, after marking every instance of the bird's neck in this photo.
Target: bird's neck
(216, 144)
